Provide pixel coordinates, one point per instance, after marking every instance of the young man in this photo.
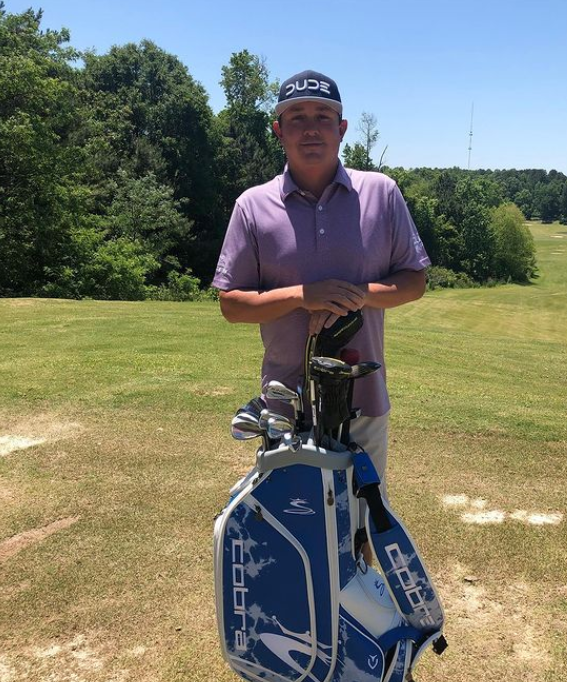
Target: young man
(317, 242)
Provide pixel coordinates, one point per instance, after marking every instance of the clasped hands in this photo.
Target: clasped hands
(330, 299)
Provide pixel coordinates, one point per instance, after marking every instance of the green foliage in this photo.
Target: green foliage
(180, 287)
(249, 154)
(515, 249)
(563, 205)
(524, 201)
(115, 269)
(117, 180)
(119, 270)
(38, 200)
(547, 201)
(144, 211)
(246, 84)
(147, 115)
(357, 157)
(444, 278)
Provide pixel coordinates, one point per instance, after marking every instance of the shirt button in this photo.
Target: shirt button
(321, 231)
(320, 208)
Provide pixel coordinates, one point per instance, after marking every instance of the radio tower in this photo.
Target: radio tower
(470, 137)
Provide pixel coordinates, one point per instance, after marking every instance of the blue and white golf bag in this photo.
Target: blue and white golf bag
(295, 600)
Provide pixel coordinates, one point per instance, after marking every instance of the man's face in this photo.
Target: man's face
(310, 134)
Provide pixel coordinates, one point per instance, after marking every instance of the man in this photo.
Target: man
(317, 242)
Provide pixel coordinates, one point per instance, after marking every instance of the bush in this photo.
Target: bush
(443, 278)
(515, 257)
(210, 294)
(179, 287)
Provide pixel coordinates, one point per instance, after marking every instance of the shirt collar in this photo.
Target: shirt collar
(288, 185)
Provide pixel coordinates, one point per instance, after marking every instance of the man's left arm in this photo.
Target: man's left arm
(399, 288)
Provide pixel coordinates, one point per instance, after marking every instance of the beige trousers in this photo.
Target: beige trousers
(371, 433)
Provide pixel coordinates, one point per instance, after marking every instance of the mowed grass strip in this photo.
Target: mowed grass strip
(130, 403)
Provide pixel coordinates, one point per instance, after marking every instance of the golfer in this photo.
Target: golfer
(316, 242)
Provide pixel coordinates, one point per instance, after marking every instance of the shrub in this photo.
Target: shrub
(515, 258)
(443, 278)
(179, 287)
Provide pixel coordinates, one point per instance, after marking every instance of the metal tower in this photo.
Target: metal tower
(470, 136)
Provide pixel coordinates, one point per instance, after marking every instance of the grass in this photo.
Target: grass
(133, 401)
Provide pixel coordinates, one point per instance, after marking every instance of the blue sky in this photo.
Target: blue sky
(417, 66)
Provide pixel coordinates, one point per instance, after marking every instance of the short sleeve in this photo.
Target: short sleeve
(408, 252)
(238, 265)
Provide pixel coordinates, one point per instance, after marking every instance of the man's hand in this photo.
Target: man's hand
(333, 295)
(327, 296)
(320, 319)
(330, 299)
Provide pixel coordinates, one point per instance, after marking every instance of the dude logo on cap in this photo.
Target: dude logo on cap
(309, 86)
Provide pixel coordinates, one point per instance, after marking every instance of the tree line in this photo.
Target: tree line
(117, 179)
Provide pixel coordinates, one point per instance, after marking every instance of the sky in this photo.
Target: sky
(419, 67)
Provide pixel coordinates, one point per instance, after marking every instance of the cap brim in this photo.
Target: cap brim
(332, 104)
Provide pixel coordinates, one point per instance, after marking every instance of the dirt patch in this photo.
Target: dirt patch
(484, 517)
(15, 544)
(10, 444)
(31, 432)
(499, 628)
(75, 660)
(475, 511)
(213, 393)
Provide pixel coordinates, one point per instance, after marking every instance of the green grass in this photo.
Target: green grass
(134, 401)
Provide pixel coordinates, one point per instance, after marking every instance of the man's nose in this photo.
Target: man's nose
(311, 126)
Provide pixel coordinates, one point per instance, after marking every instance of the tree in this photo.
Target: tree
(524, 201)
(359, 156)
(369, 135)
(145, 212)
(546, 201)
(246, 85)
(39, 197)
(514, 245)
(563, 205)
(355, 157)
(146, 114)
(250, 154)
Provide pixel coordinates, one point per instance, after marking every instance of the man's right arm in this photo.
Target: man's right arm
(332, 295)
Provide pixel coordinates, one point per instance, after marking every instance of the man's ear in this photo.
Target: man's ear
(277, 130)
(343, 125)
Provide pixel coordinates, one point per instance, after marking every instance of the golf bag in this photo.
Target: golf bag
(295, 600)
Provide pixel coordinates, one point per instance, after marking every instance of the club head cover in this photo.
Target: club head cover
(331, 339)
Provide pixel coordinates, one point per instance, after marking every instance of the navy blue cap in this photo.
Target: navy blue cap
(309, 86)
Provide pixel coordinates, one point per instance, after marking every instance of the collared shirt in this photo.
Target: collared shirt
(360, 231)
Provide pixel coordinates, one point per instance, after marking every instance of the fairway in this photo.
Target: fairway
(115, 456)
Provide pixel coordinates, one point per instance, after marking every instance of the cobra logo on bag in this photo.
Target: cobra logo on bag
(300, 508)
(239, 591)
(413, 591)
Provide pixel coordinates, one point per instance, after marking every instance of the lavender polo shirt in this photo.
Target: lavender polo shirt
(359, 231)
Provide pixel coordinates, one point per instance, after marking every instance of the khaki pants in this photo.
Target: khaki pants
(371, 433)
